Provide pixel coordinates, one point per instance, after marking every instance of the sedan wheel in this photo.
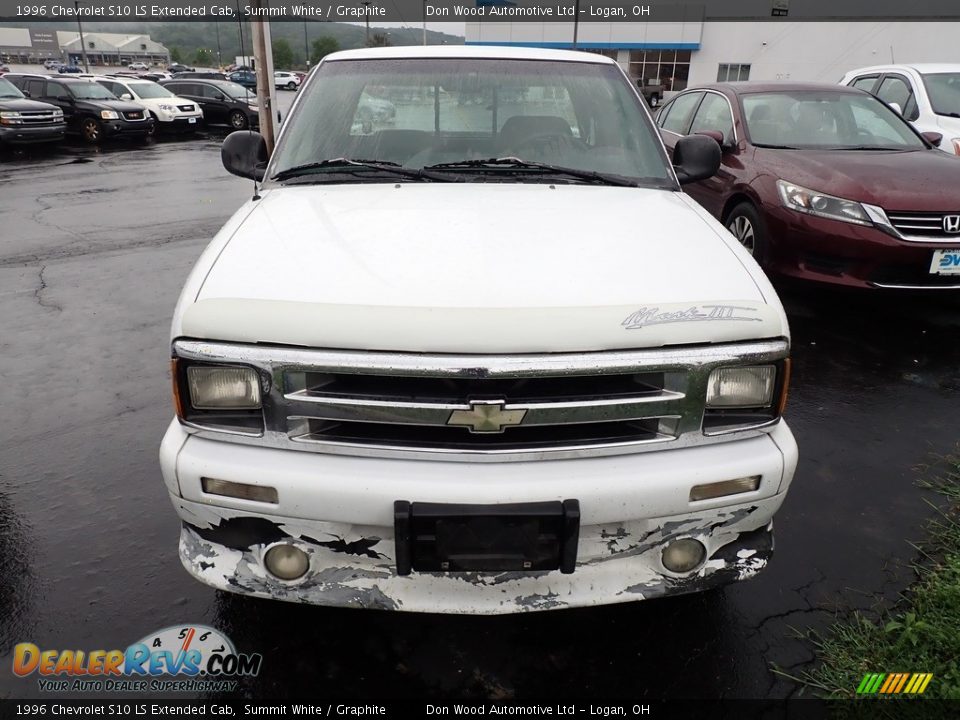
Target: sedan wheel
(742, 230)
(91, 131)
(238, 120)
(746, 224)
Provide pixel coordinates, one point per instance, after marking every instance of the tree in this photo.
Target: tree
(378, 40)
(203, 57)
(175, 55)
(282, 54)
(322, 47)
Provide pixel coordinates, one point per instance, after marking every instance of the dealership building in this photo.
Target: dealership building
(700, 49)
(33, 45)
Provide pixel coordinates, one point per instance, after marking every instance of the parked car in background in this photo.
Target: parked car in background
(652, 91)
(178, 67)
(4, 69)
(138, 66)
(927, 95)
(286, 80)
(247, 78)
(156, 76)
(168, 111)
(301, 75)
(27, 121)
(374, 433)
(825, 183)
(222, 102)
(91, 111)
(69, 69)
(201, 74)
(51, 64)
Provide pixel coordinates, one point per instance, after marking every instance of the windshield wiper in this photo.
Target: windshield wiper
(351, 165)
(518, 164)
(869, 147)
(775, 147)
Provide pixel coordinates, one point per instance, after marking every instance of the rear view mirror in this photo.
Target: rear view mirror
(934, 138)
(696, 157)
(244, 153)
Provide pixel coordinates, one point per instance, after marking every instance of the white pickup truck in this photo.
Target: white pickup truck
(479, 355)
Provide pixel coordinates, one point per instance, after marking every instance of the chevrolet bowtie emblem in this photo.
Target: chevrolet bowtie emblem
(486, 416)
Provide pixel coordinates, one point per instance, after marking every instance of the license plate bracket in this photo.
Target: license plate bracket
(519, 537)
(945, 262)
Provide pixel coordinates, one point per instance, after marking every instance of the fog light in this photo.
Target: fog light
(286, 562)
(724, 487)
(243, 491)
(683, 555)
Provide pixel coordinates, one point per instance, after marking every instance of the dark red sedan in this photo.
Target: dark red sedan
(826, 183)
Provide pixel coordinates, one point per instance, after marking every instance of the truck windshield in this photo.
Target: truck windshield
(419, 113)
(944, 92)
(9, 90)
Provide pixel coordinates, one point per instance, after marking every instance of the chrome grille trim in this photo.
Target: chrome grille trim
(674, 411)
(918, 226)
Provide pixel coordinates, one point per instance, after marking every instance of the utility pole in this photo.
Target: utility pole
(83, 45)
(263, 67)
(424, 22)
(219, 58)
(306, 45)
(576, 23)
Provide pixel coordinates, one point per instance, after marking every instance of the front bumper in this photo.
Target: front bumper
(21, 134)
(181, 123)
(809, 248)
(339, 510)
(125, 128)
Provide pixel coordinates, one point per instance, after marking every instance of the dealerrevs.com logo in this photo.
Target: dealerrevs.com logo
(185, 658)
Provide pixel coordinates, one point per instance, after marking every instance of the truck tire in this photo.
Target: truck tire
(238, 120)
(746, 225)
(90, 130)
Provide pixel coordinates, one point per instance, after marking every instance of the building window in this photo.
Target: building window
(732, 72)
(669, 69)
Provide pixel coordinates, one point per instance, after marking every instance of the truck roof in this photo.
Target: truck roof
(468, 51)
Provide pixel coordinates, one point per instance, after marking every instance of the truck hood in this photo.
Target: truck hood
(480, 268)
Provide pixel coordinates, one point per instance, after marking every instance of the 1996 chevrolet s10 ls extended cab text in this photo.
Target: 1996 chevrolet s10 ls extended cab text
(480, 354)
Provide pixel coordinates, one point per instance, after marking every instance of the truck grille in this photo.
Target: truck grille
(187, 108)
(39, 117)
(134, 115)
(478, 407)
(923, 224)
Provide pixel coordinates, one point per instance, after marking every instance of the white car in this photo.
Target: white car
(138, 66)
(51, 64)
(926, 94)
(169, 111)
(503, 363)
(286, 80)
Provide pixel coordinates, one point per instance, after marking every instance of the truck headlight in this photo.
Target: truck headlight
(109, 115)
(812, 202)
(739, 398)
(58, 113)
(741, 387)
(9, 117)
(223, 388)
(166, 108)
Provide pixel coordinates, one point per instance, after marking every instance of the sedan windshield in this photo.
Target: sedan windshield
(420, 113)
(150, 90)
(9, 90)
(90, 91)
(944, 92)
(825, 120)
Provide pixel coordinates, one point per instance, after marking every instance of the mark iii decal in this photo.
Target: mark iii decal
(647, 316)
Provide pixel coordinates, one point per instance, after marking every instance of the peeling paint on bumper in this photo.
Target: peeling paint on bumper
(615, 564)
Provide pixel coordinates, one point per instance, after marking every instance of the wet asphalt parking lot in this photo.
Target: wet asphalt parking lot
(94, 246)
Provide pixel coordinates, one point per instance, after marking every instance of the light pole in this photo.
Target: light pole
(576, 23)
(219, 58)
(424, 22)
(83, 45)
(306, 46)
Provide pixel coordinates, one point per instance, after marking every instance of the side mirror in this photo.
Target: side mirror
(126, 96)
(934, 138)
(896, 108)
(715, 134)
(696, 157)
(244, 153)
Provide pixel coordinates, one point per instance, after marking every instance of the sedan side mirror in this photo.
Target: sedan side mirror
(696, 157)
(934, 138)
(244, 153)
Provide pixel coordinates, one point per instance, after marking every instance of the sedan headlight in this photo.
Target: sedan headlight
(816, 203)
(223, 388)
(741, 387)
(109, 115)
